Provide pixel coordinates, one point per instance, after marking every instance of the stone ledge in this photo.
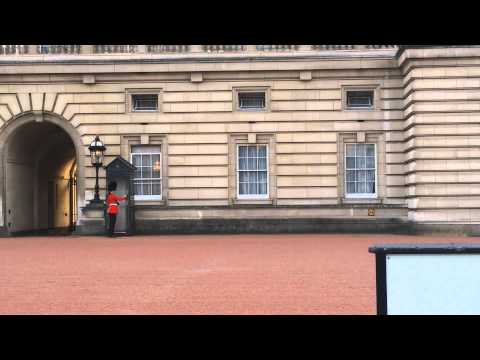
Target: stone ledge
(231, 226)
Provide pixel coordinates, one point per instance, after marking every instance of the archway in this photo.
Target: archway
(42, 177)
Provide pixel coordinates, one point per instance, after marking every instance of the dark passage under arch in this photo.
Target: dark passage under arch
(40, 179)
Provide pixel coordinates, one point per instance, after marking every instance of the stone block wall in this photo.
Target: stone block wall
(442, 134)
(424, 124)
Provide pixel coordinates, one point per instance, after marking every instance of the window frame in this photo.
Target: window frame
(244, 93)
(130, 103)
(375, 88)
(237, 171)
(361, 107)
(359, 195)
(148, 197)
(144, 110)
(238, 90)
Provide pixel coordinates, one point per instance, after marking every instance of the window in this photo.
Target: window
(145, 102)
(360, 171)
(252, 172)
(251, 100)
(148, 176)
(360, 99)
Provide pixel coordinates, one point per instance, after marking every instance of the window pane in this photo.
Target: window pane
(361, 189)
(360, 98)
(262, 151)
(146, 160)
(351, 175)
(146, 172)
(360, 150)
(360, 162)
(263, 189)
(155, 173)
(251, 100)
(242, 164)
(243, 188)
(251, 181)
(361, 176)
(156, 166)
(145, 102)
(360, 180)
(262, 163)
(148, 149)
(156, 188)
(242, 151)
(262, 176)
(350, 163)
(350, 187)
(142, 191)
(138, 188)
(136, 159)
(243, 176)
(350, 150)
(370, 150)
(147, 188)
(371, 175)
(370, 188)
(370, 162)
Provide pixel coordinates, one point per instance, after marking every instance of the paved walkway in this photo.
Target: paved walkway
(198, 274)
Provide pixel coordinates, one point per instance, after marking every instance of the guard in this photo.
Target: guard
(112, 206)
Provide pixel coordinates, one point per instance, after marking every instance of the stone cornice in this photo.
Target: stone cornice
(91, 64)
(194, 57)
(408, 52)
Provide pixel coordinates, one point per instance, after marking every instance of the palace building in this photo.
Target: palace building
(249, 138)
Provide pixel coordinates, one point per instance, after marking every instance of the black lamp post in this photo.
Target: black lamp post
(96, 154)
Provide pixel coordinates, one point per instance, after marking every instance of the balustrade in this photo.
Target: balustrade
(164, 49)
(58, 49)
(115, 49)
(223, 48)
(277, 47)
(333, 47)
(13, 49)
(380, 46)
(168, 48)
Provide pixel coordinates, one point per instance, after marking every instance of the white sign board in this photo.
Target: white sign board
(433, 284)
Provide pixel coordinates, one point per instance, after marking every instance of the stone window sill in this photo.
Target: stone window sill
(150, 202)
(252, 201)
(362, 201)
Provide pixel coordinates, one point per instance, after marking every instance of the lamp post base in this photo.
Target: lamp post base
(92, 221)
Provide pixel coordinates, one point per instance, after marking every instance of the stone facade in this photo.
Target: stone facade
(424, 124)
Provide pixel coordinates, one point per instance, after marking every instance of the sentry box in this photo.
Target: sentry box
(429, 279)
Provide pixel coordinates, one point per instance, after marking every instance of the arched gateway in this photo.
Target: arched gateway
(41, 174)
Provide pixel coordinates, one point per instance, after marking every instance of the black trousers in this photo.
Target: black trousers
(111, 224)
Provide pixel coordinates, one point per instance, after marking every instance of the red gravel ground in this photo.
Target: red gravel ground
(198, 274)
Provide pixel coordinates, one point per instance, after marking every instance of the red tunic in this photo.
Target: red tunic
(112, 203)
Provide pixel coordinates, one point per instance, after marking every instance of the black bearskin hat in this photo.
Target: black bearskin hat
(112, 186)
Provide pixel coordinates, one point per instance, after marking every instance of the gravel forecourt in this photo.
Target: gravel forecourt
(194, 274)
